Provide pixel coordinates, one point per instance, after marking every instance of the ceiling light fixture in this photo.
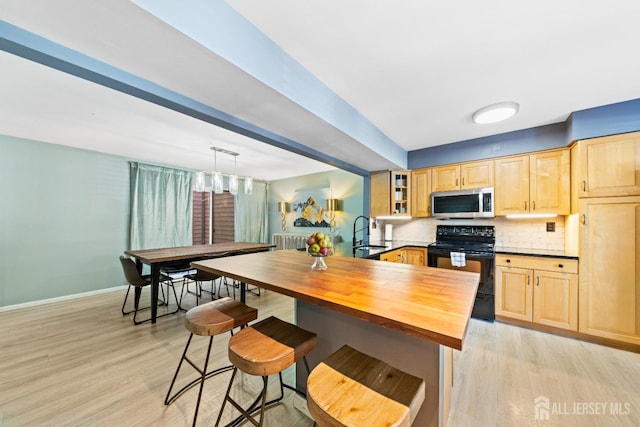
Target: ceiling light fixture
(216, 175)
(199, 184)
(233, 179)
(496, 112)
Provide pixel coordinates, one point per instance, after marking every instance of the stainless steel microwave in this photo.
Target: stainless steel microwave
(476, 203)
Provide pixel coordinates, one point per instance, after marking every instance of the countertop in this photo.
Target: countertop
(533, 252)
(346, 249)
(433, 304)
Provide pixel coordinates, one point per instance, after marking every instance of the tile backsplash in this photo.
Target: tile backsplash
(513, 233)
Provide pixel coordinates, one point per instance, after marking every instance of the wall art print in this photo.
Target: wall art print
(309, 210)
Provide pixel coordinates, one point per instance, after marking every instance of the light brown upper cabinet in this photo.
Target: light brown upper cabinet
(380, 194)
(608, 166)
(390, 193)
(462, 176)
(535, 183)
(550, 185)
(421, 193)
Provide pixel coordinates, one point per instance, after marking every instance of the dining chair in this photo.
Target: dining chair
(138, 281)
(199, 277)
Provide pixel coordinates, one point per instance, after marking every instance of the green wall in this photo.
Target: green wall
(63, 220)
(342, 185)
(64, 217)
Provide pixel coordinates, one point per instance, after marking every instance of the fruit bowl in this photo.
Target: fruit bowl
(319, 246)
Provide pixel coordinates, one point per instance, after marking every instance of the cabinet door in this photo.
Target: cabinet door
(445, 178)
(415, 256)
(476, 174)
(609, 166)
(421, 193)
(555, 299)
(512, 185)
(380, 194)
(549, 190)
(514, 293)
(393, 256)
(401, 193)
(609, 282)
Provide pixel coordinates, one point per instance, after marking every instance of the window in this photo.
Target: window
(223, 218)
(201, 217)
(220, 216)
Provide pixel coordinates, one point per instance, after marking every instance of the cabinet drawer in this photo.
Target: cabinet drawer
(559, 265)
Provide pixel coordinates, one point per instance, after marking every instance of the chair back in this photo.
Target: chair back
(131, 273)
(203, 276)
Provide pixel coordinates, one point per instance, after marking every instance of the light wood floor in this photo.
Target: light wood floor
(503, 369)
(82, 363)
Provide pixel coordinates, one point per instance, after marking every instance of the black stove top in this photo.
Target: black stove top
(470, 239)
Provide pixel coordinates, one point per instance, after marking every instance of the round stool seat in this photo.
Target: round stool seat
(213, 318)
(219, 316)
(350, 388)
(269, 346)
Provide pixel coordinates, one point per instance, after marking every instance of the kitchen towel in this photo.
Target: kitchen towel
(458, 259)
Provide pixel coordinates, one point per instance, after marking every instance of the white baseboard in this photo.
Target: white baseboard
(58, 299)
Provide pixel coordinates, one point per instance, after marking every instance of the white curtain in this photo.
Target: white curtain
(251, 221)
(161, 207)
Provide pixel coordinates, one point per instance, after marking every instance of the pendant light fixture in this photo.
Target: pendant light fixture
(199, 184)
(233, 179)
(248, 185)
(216, 175)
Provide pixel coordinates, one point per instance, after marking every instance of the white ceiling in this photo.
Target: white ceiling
(416, 70)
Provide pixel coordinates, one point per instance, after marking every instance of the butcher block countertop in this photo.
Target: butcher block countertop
(429, 303)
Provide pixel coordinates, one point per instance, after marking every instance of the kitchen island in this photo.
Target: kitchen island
(411, 317)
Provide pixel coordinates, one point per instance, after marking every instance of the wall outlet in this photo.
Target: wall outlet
(551, 227)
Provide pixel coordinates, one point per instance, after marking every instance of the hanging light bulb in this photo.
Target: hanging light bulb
(218, 185)
(199, 184)
(233, 179)
(233, 184)
(215, 175)
(248, 185)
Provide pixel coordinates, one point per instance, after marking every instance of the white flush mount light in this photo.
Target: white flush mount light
(496, 112)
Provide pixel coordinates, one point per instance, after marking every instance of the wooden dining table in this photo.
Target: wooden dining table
(167, 257)
(409, 316)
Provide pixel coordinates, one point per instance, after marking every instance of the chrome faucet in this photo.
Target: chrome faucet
(355, 223)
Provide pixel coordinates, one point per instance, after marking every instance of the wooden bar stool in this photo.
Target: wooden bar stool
(262, 349)
(350, 388)
(210, 319)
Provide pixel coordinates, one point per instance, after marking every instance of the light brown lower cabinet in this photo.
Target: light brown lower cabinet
(610, 268)
(407, 255)
(415, 256)
(540, 290)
